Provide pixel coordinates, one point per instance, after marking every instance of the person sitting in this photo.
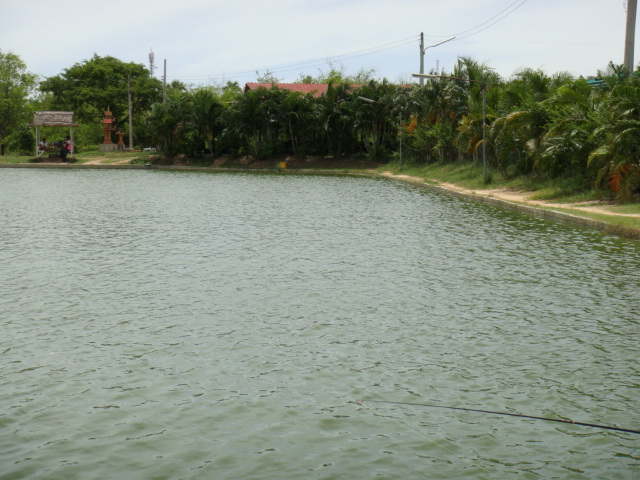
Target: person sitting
(66, 148)
(42, 146)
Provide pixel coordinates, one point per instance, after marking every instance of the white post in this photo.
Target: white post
(422, 58)
(164, 82)
(130, 114)
(630, 35)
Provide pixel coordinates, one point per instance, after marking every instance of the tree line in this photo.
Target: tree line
(555, 126)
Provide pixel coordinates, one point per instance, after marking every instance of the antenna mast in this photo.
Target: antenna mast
(152, 63)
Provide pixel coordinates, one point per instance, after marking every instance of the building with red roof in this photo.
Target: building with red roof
(317, 89)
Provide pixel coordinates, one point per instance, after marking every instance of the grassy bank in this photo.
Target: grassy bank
(622, 219)
(470, 176)
(84, 157)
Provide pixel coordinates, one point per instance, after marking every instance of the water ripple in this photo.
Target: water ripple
(184, 325)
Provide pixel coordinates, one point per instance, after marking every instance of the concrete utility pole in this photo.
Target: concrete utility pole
(164, 82)
(130, 113)
(422, 58)
(631, 35)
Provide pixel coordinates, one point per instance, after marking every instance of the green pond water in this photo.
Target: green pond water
(183, 325)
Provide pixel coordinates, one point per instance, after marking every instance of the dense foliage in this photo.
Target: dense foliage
(90, 87)
(552, 126)
(586, 130)
(16, 86)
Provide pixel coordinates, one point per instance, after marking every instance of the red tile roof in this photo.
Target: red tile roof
(317, 89)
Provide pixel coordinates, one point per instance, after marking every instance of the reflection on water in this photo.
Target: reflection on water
(187, 325)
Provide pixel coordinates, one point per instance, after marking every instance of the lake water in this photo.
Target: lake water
(186, 325)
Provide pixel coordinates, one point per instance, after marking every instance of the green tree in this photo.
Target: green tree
(267, 77)
(299, 114)
(252, 122)
(170, 123)
(576, 111)
(618, 156)
(336, 113)
(16, 87)
(377, 116)
(206, 112)
(230, 92)
(90, 87)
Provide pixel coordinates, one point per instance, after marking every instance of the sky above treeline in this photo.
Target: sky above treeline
(211, 42)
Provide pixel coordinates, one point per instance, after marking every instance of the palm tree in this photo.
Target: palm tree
(298, 113)
(618, 155)
(576, 114)
(170, 122)
(206, 112)
(517, 133)
(378, 111)
(335, 112)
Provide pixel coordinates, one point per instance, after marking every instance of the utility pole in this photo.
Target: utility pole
(422, 58)
(164, 82)
(130, 113)
(631, 35)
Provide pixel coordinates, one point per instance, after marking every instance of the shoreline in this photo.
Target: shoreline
(504, 199)
(539, 210)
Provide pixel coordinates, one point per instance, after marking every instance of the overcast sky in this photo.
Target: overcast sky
(210, 42)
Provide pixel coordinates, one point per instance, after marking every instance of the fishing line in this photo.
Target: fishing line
(594, 425)
(433, 442)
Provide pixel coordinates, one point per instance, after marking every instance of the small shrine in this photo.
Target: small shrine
(108, 127)
(120, 140)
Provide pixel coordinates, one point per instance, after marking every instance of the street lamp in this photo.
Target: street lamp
(369, 100)
(484, 114)
(423, 50)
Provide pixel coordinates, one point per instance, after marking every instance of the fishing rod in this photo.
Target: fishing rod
(606, 427)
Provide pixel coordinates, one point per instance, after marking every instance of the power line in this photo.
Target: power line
(499, 16)
(313, 63)
(511, 8)
(522, 2)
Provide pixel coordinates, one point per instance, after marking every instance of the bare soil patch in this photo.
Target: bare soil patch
(107, 161)
(508, 195)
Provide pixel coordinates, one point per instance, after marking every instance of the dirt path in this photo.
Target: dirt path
(106, 161)
(508, 195)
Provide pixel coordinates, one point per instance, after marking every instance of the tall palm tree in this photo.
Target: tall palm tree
(206, 111)
(577, 113)
(335, 111)
(619, 154)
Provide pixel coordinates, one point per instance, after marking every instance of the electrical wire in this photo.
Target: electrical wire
(314, 63)
(498, 20)
(368, 51)
(513, 7)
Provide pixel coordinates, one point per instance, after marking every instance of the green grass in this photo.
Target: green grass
(567, 190)
(471, 177)
(84, 156)
(9, 159)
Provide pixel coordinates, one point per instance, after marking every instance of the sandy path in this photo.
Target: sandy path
(105, 161)
(523, 197)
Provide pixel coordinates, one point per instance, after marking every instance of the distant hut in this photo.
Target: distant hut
(54, 119)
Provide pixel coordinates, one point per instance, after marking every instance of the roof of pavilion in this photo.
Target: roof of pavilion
(53, 119)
